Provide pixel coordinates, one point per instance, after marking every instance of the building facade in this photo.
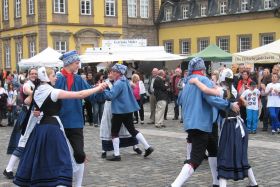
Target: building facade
(182, 26)
(29, 26)
(189, 26)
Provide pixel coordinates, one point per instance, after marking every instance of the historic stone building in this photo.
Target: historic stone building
(182, 26)
(29, 26)
(189, 26)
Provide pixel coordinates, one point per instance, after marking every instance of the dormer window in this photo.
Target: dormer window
(267, 4)
(202, 10)
(168, 13)
(223, 7)
(244, 5)
(185, 11)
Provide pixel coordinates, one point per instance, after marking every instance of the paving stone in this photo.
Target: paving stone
(162, 167)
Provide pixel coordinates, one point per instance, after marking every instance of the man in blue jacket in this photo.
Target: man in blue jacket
(123, 106)
(198, 110)
(71, 113)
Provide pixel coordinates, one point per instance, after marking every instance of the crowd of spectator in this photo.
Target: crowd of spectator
(256, 89)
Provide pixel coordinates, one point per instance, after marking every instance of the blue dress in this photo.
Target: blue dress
(16, 133)
(46, 159)
(232, 159)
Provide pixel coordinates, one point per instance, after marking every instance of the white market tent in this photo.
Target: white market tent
(48, 57)
(148, 53)
(269, 53)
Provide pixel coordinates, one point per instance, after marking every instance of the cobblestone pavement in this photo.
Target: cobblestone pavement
(161, 168)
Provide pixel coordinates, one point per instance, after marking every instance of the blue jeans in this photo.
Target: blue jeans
(97, 112)
(274, 116)
(252, 119)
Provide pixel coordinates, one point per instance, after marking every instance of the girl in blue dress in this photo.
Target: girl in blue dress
(47, 158)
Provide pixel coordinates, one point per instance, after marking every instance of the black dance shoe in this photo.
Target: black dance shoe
(103, 155)
(138, 151)
(114, 158)
(148, 151)
(8, 175)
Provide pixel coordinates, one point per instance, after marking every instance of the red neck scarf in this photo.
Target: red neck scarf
(198, 73)
(69, 78)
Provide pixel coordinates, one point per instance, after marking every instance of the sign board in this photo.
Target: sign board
(263, 58)
(124, 43)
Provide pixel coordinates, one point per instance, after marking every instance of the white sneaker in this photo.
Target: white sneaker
(142, 122)
(273, 132)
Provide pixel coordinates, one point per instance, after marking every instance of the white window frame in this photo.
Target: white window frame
(203, 43)
(31, 7)
(203, 10)
(132, 8)
(185, 11)
(267, 4)
(87, 7)
(168, 46)
(244, 6)
(18, 8)
(6, 10)
(263, 37)
(168, 13)
(223, 7)
(32, 49)
(242, 48)
(57, 8)
(19, 51)
(222, 45)
(58, 46)
(7, 56)
(144, 8)
(110, 8)
(185, 47)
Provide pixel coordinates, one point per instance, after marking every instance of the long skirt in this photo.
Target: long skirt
(233, 150)
(16, 133)
(126, 139)
(46, 160)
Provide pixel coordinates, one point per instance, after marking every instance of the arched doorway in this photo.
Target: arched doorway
(86, 38)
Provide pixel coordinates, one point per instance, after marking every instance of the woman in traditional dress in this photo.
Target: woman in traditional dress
(14, 147)
(47, 159)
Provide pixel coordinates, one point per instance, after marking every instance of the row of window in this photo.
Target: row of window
(60, 46)
(244, 43)
(18, 52)
(31, 8)
(85, 8)
(223, 8)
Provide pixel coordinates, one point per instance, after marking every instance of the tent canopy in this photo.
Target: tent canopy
(212, 53)
(269, 53)
(48, 57)
(148, 53)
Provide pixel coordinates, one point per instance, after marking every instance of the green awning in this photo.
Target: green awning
(212, 53)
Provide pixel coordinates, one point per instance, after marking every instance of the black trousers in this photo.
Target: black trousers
(141, 112)
(76, 139)
(176, 107)
(202, 141)
(88, 107)
(125, 119)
